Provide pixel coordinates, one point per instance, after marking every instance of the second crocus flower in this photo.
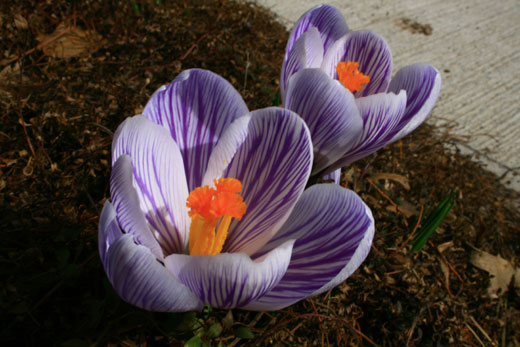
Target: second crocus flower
(339, 81)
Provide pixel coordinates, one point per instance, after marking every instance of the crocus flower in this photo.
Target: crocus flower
(339, 82)
(208, 206)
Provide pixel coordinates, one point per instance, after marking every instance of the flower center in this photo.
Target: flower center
(211, 212)
(349, 75)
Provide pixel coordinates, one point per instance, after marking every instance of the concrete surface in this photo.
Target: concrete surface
(476, 47)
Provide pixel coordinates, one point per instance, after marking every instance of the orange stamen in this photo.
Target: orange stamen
(212, 207)
(350, 77)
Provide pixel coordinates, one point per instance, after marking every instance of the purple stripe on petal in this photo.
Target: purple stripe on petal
(109, 230)
(307, 52)
(229, 280)
(330, 112)
(226, 149)
(158, 178)
(273, 164)
(333, 229)
(326, 18)
(126, 203)
(371, 52)
(422, 83)
(141, 280)
(196, 108)
(381, 115)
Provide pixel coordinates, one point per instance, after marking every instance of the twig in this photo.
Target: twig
(195, 44)
(40, 46)
(380, 191)
(475, 334)
(313, 315)
(454, 271)
(412, 234)
(480, 328)
(413, 326)
(315, 310)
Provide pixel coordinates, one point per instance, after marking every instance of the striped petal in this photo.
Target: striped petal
(109, 230)
(335, 176)
(333, 229)
(330, 111)
(229, 280)
(126, 205)
(196, 108)
(273, 163)
(158, 178)
(371, 52)
(381, 115)
(141, 280)
(326, 18)
(307, 52)
(422, 83)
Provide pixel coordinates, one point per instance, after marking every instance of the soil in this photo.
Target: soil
(70, 72)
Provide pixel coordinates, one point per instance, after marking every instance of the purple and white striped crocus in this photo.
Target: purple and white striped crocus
(209, 208)
(339, 82)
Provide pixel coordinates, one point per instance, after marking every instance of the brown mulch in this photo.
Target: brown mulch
(70, 72)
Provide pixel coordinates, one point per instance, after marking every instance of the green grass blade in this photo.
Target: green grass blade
(433, 220)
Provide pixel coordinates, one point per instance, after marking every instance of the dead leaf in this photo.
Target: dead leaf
(393, 177)
(446, 271)
(444, 246)
(500, 270)
(69, 41)
(20, 22)
(406, 208)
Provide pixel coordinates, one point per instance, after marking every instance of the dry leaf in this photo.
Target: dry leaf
(406, 208)
(446, 271)
(393, 177)
(444, 246)
(500, 270)
(20, 22)
(69, 41)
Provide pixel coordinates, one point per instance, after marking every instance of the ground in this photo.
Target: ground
(71, 72)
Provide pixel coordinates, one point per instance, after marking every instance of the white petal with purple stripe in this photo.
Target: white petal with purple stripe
(196, 108)
(273, 164)
(158, 178)
(381, 115)
(372, 53)
(126, 203)
(330, 112)
(422, 83)
(327, 19)
(229, 280)
(109, 230)
(333, 229)
(307, 52)
(141, 280)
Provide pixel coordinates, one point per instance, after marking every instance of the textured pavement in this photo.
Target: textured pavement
(476, 47)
